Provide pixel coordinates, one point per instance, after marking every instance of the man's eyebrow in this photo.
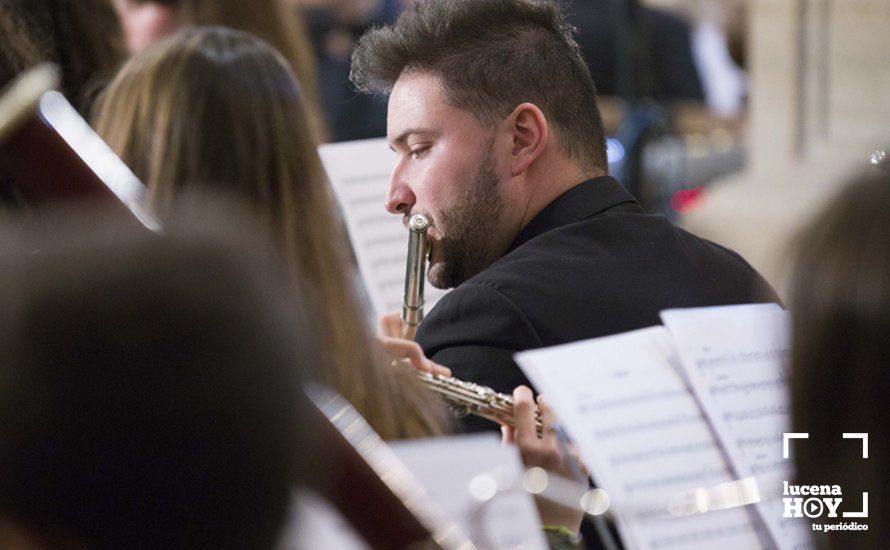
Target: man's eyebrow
(403, 137)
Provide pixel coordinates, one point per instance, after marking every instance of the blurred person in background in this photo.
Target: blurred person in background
(220, 109)
(150, 389)
(675, 93)
(719, 47)
(334, 27)
(147, 21)
(719, 29)
(839, 380)
(620, 36)
(213, 108)
(686, 50)
(84, 38)
(18, 53)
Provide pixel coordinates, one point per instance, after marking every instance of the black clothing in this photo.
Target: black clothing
(592, 263)
(668, 70)
(350, 115)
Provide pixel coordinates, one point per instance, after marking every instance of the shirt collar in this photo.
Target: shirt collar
(582, 201)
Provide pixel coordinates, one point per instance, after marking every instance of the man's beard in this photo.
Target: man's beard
(470, 228)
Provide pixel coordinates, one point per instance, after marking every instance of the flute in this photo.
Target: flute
(465, 398)
(462, 397)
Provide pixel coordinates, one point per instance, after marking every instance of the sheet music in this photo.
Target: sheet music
(736, 359)
(644, 439)
(447, 467)
(359, 172)
(316, 525)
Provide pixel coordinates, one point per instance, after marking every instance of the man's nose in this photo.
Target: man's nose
(399, 197)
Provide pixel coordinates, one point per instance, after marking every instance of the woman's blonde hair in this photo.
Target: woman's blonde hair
(273, 21)
(220, 109)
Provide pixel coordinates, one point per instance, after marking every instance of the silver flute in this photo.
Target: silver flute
(462, 397)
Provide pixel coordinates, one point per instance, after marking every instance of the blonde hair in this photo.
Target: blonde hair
(273, 21)
(219, 108)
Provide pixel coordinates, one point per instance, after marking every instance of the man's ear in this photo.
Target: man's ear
(530, 133)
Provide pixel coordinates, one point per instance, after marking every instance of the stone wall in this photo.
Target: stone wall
(819, 105)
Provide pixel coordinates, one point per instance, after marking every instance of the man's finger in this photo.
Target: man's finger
(524, 417)
(436, 368)
(390, 325)
(508, 434)
(407, 331)
(415, 354)
(406, 349)
(548, 421)
(576, 456)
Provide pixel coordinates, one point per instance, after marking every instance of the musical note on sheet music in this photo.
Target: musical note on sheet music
(736, 360)
(644, 438)
(359, 174)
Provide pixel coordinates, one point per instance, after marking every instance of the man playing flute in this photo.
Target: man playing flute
(494, 117)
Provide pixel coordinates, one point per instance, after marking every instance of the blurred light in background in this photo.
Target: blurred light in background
(614, 151)
(687, 200)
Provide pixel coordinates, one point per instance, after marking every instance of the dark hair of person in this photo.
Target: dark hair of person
(492, 55)
(839, 377)
(149, 391)
(18, 52)
(84, 38)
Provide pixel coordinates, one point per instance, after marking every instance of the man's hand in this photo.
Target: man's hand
(391, 326)
(545, 452)
(410, 353)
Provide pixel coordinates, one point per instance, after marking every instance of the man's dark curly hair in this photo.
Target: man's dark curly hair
(492, 55)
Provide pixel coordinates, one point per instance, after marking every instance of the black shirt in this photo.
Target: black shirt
(592, 263)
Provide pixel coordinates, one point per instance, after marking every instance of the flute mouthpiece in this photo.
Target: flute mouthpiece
(418, 223)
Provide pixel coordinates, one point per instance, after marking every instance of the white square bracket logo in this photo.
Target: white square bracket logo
(863, 437)
(787, 437)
